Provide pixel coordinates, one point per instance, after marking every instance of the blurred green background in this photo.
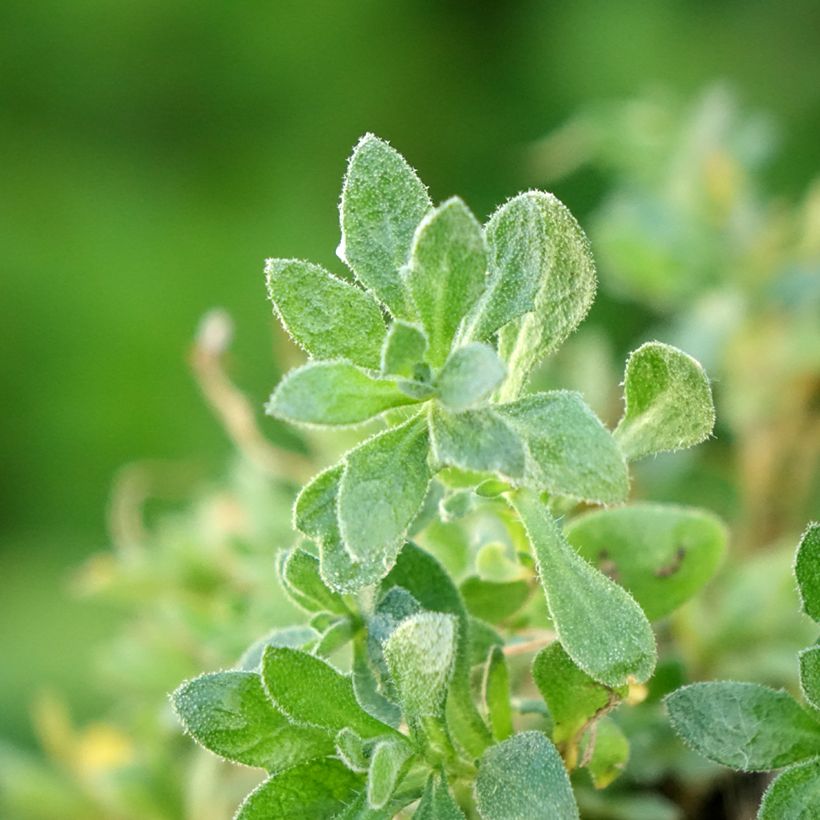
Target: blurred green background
(154, 153)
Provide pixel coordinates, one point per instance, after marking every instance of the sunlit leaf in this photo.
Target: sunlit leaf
(404, 348)
(807, 570)
(794, 794)
(387, 765)
(469, 376)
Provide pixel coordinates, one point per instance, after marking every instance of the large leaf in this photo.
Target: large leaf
(743, 725)
(446, 274)
(810, 675)
(383, 202)
(230, 715)
(807, 570)
(794, 795)
(523, 778)
(469, 376)
(662, 554)
(599, 624)
(667, 402)
(329, 318)
(568, 450)
(437, 803)
(383, 486)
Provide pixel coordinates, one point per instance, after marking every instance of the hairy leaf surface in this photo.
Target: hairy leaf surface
(404, 348)
(807, 570)
(496, 692)
(469, 376)
(437, 803)
(810, 675)
(794, 795)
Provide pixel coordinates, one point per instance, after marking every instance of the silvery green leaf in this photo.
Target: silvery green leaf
(382, 203)
(319, 790)
(420, 654)
(794, 794)
(446, 273)
(301, 578)
(523, 778)
(810, 675)
(608, 751)
(568, 451)
(437, 803)
(311, 692)
(744, 726)
(336, 394)
(496, 691)
(387, 766)
(328, 317)
(367, 689)
(469, 376)
(475, 440)
(807, 570)
(382, 488)
(661, 553)
(667, 402)
(230, 715)
(404, 348)
(599, 624)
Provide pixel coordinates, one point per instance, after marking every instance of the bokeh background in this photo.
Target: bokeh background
(154, 153)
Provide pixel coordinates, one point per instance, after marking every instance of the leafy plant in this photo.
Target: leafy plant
(436, 339)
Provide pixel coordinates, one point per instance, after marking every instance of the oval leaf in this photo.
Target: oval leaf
(794, 795)
(469, 376)
(810, 675)
(404, 348)
(807, 570)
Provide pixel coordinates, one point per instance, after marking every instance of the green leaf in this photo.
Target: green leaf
(662, 554)
(352, 751)
(366, 686)
(494, 601)
(446, 274)
(794, 795)
(335, 636)
(523, 778)
(599, 624)
(336, 394)
(383, 202)
(387, 766)
(475, 440)
(319, 790)
(437, 803)
(744, 726)
(496, 692)
(230, 715)
(295, 636)
(810, 675)
(469, 376)
(311, 692)
(568, 450)
(807, 570)
(610, 752)
(404, 348)
(301, 578)
(327, 317)
(667, 402)
(420, 654)
(383, 486)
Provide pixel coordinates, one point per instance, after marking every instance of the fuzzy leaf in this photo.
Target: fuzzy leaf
(383, 202)
(667, 402)
(311, 692)
(523, 778)
(493, 601)
(336, 394)
(296, 636)
(446, 274)
(469, 376)
(496, 692)
(662, 554)
(437, 803)
(230, 715)
(794, 795)
(744, 726)
(320, 790)
(420, 654)
(599, 624)
(404, 348)
(475, 440)
(387, 765)
(329, 318)
(807, 570)
(810, 675)
(301, 578)
(383, 486)
(568, 450)
(352, 751)
(610, 752)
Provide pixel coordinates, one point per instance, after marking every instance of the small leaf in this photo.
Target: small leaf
(568, 450)
(448, 265)
(469, 376)
(301, 578)
(523, 778)
(794, 794)
(352, 751)
(336, 394)
(662, 554)
(295, 636)
(387, 766)
(494, 601)
(610, 752)
(404, 348)
(807, 570)
(496, 692)
(667, 402)
(230, 715)
(311, 692)
(329, 318)
(320, 790)
(475, 440)
(420, 654)
(810, 675)
(383, 202)
(744, 726)
(382, 489)
(339, 633)
(437, 803)
(599, 624)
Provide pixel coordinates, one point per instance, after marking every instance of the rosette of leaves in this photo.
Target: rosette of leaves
(754, 728)
(434, 337)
